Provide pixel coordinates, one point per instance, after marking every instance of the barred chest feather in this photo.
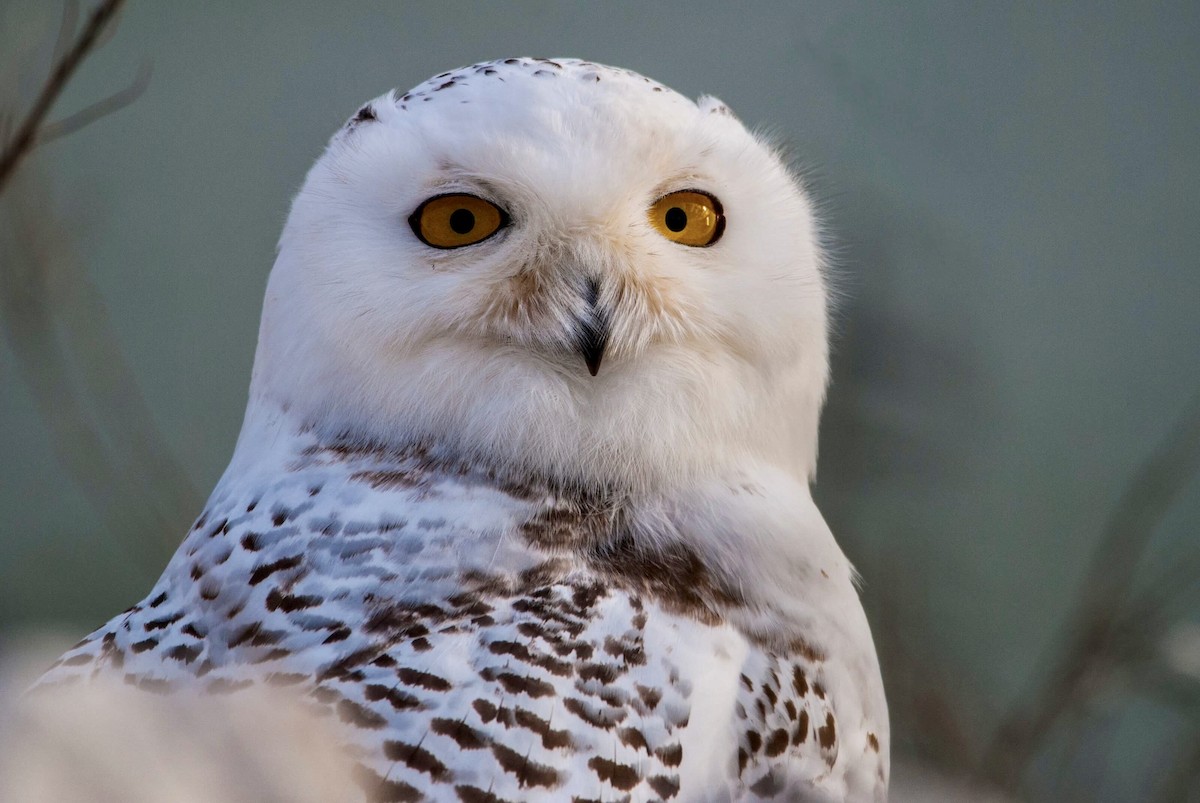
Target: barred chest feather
(481, 639)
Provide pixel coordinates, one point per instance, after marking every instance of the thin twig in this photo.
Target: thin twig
(66, 30)
(27, 132)
(1090, 636)
(101, 108)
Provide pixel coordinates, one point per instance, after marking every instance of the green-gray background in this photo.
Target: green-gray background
(1012, 191)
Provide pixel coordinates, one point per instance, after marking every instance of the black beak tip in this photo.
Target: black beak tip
(592, 345)
(593, 331)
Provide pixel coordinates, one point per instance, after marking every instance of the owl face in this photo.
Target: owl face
(558, 263)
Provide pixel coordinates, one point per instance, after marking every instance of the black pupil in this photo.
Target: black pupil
(462, 221)
(676, 219)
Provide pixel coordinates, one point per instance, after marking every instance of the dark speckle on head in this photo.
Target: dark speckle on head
(518, 68)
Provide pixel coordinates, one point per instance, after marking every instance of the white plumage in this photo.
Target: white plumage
(521, 497)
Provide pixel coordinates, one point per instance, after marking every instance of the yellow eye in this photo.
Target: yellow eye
(688, 217)
(452, 221)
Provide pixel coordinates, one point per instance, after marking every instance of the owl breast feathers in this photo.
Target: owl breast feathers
(521, 503)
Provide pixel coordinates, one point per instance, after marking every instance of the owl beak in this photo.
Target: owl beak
(591, 334)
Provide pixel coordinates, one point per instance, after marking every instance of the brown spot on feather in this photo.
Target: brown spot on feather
(352, 713)
(621, 776)
(466, 737)
(650, 696)
(398, 699)
(265, 570)
(518, 684)
(606, 718)
(632, 737)
(551, 739)
(393, 479)
(416, 757)
(827, 733)
(776, 743)
(380, 790)
(473, 794)
(528, 773)
(799, 681)
(670, 755)
(425, 680)
(665, 786)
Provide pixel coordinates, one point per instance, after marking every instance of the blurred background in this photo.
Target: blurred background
(1010, 448)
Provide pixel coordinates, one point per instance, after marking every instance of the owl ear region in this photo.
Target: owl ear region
(456, 220)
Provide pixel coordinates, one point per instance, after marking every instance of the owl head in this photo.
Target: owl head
(552, 266)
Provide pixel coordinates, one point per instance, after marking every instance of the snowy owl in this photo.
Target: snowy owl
(521, 500)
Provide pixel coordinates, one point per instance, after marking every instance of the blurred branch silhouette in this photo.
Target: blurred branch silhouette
(60, 333)
(101, 108)
(69, 54)
(1111, 627)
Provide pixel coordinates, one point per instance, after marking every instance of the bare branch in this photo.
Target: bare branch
(101, 108)
(27, 132)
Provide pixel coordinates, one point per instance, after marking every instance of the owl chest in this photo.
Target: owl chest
(571, 689)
